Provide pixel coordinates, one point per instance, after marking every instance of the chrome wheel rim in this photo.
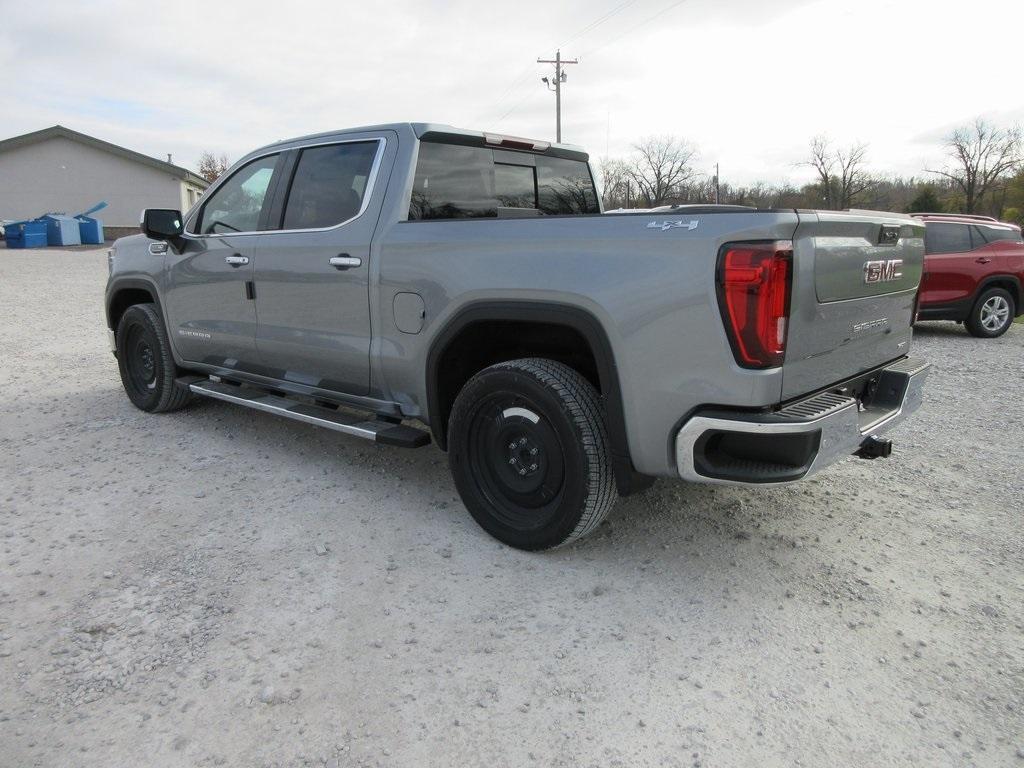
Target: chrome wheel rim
(994, 313)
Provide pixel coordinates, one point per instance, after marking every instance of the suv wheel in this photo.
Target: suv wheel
(145, 361)
(529, 453)
(992, 314)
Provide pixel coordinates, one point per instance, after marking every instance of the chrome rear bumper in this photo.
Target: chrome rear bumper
(739, 448)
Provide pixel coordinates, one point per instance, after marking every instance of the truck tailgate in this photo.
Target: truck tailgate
(854, 286)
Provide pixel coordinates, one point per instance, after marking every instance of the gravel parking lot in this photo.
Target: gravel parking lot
(221, 587)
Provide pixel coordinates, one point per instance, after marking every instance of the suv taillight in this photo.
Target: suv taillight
(754, 281)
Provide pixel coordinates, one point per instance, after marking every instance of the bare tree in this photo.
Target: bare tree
(824, 165)
(842, 177)
(983, 156)
(212, 166)
(614, 180)
(660, 167)
(761, 194)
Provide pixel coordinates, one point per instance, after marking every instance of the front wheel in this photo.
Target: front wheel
(529, 452)
(146, 363)
(992, 314)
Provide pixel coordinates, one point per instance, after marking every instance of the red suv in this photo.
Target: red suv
(973, 272)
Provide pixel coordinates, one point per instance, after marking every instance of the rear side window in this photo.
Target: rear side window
(238, 202)
(454, 182)
(565, 186)
(329, 185)
(946, 237)
(987, 234)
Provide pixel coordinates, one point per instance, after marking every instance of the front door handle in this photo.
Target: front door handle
(982, 260)
(345, 262)
(236, 260)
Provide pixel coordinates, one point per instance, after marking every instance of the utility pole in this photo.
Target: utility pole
(560, 78)
(717, 185)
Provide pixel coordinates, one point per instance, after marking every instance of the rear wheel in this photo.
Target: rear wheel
(529, 453)
(146, 363)
(992, 314)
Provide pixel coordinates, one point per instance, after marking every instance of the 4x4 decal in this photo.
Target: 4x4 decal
(678, 223)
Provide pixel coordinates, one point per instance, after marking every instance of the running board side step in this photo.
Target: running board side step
(384, 432)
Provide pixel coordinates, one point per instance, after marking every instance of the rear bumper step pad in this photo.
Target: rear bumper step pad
(742, 448)
(384, 432)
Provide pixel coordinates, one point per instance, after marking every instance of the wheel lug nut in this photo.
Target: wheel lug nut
(511, 446)
(533, 451)
(522, 471)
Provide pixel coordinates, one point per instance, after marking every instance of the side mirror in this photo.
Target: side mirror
(162, 224)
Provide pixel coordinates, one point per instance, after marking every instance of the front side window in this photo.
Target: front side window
(238, 202)
(456, 182)
(329, 184)
(946, 237)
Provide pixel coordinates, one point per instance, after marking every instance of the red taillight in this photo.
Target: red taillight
(754, 282)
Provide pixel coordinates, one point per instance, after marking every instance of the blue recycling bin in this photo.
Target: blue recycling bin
(26, 234)
(61, 229)
(90, 230)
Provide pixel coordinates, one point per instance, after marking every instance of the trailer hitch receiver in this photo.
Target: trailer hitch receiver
(874, 447)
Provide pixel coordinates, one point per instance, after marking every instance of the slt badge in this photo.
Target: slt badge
(666, 225)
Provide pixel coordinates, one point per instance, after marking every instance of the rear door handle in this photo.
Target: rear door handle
(982, 260)
(236, 260)
(345, 262)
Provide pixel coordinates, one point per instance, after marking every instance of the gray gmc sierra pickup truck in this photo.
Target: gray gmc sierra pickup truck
(362, 279)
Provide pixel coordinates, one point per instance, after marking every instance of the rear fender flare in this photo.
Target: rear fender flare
(581, 321)
(991, 280)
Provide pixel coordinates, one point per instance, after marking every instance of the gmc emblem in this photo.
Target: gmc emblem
(882, 271)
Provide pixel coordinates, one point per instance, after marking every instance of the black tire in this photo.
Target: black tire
(528, 449)
(992, 314)
(146, 363)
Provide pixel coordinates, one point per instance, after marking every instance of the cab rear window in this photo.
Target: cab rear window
(459, 182)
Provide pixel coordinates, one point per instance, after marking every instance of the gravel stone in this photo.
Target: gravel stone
(218, 640)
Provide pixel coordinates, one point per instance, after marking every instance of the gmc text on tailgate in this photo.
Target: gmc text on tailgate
(376, 281)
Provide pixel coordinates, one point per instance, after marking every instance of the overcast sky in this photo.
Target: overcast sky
(749, 82)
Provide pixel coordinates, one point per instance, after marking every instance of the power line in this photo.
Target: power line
(559, 62)
(633, 28)
(515, 106)
(598, 22)
(521, 77)
(590, 27)
(523, 74)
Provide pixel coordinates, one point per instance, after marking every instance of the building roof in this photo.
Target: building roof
(59, 131)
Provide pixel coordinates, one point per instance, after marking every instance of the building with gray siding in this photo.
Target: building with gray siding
(60, 170)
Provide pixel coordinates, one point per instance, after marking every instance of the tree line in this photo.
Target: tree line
(983, 174)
